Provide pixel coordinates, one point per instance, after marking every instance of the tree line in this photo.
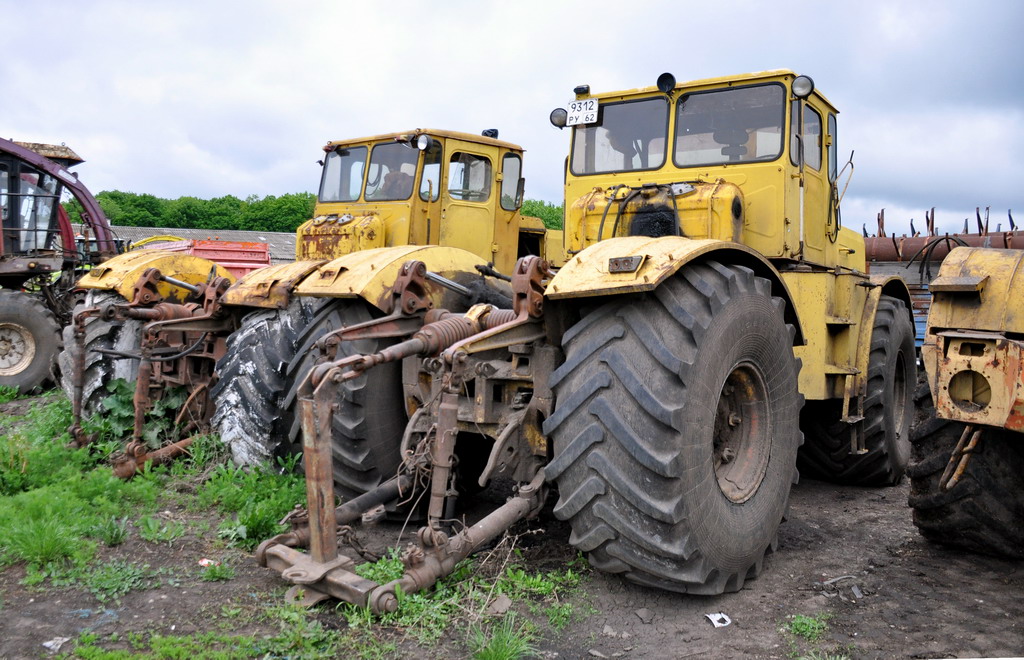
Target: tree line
(282, 213)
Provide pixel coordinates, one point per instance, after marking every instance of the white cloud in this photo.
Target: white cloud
(214, 98)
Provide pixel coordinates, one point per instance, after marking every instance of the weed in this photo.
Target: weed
(258, 498)
(300, 637)
(41, 541)
(111, 531)
(810, 628)
(8, 393)
(384, 570)
(151, 529)
(216, 572)
(506, 640)
(817, 654)
(559, 615)
(112, 580)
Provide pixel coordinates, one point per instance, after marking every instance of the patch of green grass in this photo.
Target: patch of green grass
(112, 531)
(155, 531)
(559, 615)
(257, 498)
(810, 628)
(506, 640)
(111, 580)
(217, 572)
(41, 541)
(8, 393)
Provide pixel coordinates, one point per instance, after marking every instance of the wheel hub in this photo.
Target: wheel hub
(742, 440)
(17, 348)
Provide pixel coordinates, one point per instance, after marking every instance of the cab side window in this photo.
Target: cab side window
(812, 138)
(430, 180)
(511, 171)
(469, 177)
(833, 159)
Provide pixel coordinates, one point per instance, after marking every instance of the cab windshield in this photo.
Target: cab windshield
(736, 125)
(627, 136)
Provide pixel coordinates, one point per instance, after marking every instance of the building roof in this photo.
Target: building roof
(282, 245)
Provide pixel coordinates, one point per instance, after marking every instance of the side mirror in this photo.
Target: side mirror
(520, 191)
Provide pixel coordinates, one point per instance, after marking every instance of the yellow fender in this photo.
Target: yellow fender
(639, 263)
(120, 273)
(370, 274)
(270, 287)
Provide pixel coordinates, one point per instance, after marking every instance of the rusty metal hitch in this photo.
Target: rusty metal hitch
(324, 573)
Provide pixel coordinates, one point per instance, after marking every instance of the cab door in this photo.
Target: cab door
(816, 198)
(468, 203)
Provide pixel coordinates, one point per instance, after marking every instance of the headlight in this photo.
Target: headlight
(558, 117)
(803, 86)
(424, 142)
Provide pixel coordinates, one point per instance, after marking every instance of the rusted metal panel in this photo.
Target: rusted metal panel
(269, 287)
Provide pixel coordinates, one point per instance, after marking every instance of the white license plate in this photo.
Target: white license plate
(581, 112)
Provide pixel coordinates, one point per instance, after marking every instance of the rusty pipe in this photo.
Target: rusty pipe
(442, 452)
(298, 536)
(440, 560)
(127, 468)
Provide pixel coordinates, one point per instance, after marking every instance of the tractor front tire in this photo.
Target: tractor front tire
(256, 396)
(888, 411)
(252, 382)
(100, 368)
(984, 511)
(675, 430)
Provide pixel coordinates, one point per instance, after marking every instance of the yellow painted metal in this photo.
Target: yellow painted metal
(769, 220)
(550, 241)
(431, 215)
(269, 287)
(370, 274)
(775, 217)
(162, 238)
(588, 273)
(972, 351)
(121, 272)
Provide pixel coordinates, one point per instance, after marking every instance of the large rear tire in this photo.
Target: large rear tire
(675, 430)
(100, 368)
(29, 341)
(888, 411)
(982, 513)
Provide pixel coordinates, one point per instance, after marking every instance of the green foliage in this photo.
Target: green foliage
(111, 532)
(553, 216)
(506, 640)
(8, 393)
(111, 580)
(151, 529)
(217, 572)
(118, 419)
(283, 214)
(258, 498)
(810, 628)
(384, 570)
(41, 541)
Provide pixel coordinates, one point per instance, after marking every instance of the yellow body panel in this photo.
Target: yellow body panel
(480, 226)
(269, 287)
(587, 273)
(370, 274)
(972, 350)
(121, 272)
(772, 216)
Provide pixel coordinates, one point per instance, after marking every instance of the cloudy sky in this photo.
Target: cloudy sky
(213, 98)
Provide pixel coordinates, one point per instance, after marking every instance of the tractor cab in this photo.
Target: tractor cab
(33, 225)
(750, 159)
(424, 187)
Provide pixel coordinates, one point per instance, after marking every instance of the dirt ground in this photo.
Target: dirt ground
(852, 553)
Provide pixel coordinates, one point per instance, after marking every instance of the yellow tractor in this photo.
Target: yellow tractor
(657, 379)
(450, 198)
(967, 472)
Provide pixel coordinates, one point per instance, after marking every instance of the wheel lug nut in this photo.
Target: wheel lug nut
(734, 419)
